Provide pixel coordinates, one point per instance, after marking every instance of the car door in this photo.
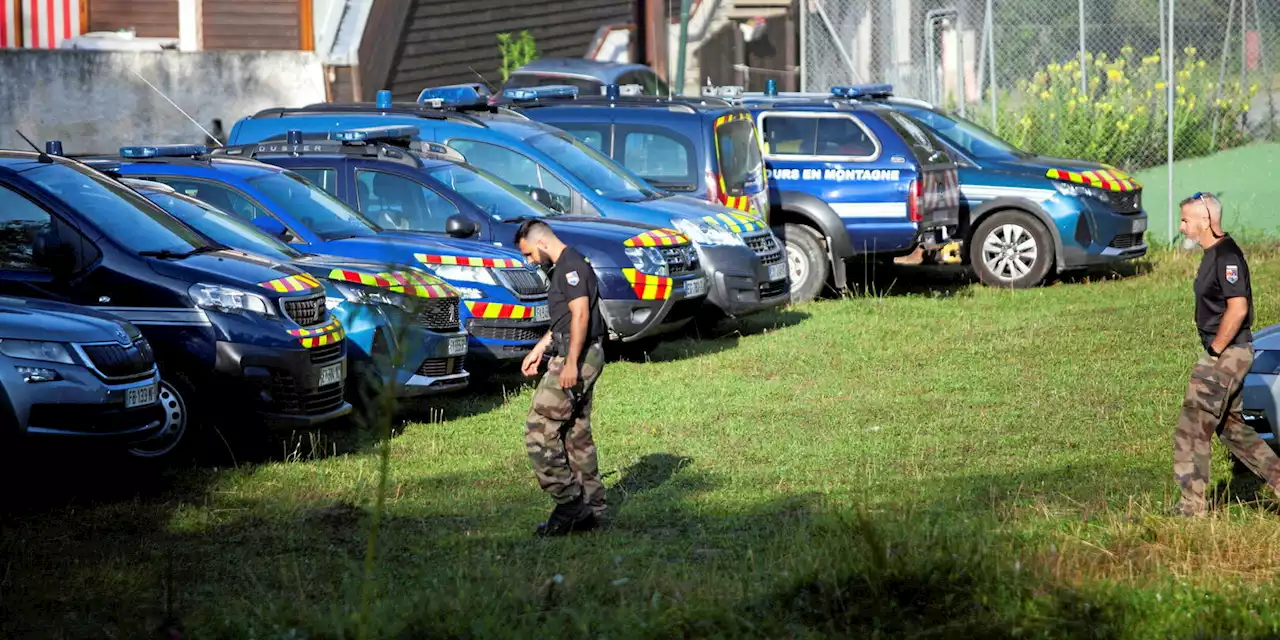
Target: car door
(234, 202)
(523, 173)
(397, 200)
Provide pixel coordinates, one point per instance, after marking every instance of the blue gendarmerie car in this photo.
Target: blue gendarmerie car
(71, 373)
(504, 297)
(390, 312)
(745, 263)
(650, 280)
(236, 336)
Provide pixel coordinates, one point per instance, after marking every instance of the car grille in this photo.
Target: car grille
(525, 283)
(511, 334)
(1128, 202)
(289, 398)
(440, 367)
(765, 246)
(117, 362)
(680, 260)
(327, 353)
(773, 289)
(439, 314)
(305, 311)
(1126, 241)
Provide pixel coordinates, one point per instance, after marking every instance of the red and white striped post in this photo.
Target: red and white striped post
(46, 23)
(9, 24)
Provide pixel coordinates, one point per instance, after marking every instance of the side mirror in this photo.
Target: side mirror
(543, 197)
(460, 227)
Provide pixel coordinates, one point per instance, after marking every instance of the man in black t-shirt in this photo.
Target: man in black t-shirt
(1224, 319)
(558, 427)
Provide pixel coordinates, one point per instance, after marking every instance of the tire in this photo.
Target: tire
(1011, 249)
(806, 261)
(177, 432)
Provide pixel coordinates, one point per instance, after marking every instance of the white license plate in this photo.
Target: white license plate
(695, 287)
(458, 346)
(331, 374)
(141, 396)
(1140, 226)
(777, 271)
(541, 313)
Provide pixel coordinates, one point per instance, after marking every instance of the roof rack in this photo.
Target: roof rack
(388, 142)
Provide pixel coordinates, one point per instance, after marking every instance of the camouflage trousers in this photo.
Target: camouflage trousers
(558, 433)
(1213, 404)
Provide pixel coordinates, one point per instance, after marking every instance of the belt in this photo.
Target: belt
(560, 344)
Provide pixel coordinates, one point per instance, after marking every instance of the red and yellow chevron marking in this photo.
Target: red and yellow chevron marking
(658, 238)
(496, 263)
(648, 287)
(311, 338)
(492, 311)
(741, 203)
(414, 283)
(735, 222)
(291, 284)
(1110, 179)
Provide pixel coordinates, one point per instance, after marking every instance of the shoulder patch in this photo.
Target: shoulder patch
(572, 277)
(1233, 273)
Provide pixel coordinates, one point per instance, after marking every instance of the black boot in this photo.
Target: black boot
(571, 517)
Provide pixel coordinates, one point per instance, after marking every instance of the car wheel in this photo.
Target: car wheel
(1011, 249)
(174, 429)
(806, 262)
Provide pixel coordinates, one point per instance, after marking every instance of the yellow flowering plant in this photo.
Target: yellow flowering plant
(1120, 118)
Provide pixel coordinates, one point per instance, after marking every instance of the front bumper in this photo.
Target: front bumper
(633, 319)
(1259, 397)
(281, 387)
(740, 280)
(500, 342)
(1100, 236)
(82, 406)
(438, 370)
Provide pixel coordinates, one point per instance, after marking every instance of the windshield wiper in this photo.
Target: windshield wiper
(166, 254)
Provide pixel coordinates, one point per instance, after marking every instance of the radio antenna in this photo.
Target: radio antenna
(175, 106)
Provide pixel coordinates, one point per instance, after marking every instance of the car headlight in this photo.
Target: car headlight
(459, 273)
(36, 350)
(648, 260)
(229, 299)
(368, 295)
(708, 234)
(1081, 191)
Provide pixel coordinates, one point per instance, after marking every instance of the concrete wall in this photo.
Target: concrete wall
(94, 103)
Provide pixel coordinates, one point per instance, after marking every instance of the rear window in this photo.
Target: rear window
(525, 80)
(739, 150)
(926, 147)
(665, 159)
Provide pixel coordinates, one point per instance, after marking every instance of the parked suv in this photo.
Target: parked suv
(235, 335)
(70, 372)
(650, 280)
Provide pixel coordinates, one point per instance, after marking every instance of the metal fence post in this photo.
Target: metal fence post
(1084, 68)
(1169, 91)
(991, 60)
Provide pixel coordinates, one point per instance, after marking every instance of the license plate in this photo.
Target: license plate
(696, 287)
(141, 396)
(331, 374)
(777, 271)
(541, 313)
(458, 346)
(1140, 226)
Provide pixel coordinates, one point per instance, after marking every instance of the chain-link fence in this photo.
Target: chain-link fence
(1078, 79)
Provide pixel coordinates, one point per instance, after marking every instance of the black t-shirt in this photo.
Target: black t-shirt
(1223, 274)
(572, 277)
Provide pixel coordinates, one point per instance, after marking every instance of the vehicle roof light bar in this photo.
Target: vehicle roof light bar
(854, 92)
(533, 94)
(164, 151)
(374, 134)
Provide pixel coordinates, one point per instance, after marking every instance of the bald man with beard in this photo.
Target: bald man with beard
(1224, 316)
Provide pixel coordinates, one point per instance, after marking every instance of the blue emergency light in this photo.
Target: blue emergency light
(531, 94)
(164, 151)
(53, 147)
(456, 95)
(614, 91)
(863, 91)
(771, 87)
(374, 134)
(384, 99)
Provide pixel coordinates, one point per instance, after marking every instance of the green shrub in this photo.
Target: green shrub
(516, 53)
(1122, 119)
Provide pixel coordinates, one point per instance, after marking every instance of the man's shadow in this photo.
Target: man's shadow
(1243, 487)
(651, 472)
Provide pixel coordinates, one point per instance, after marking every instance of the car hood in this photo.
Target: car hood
(700, 210)
(402, 246)
(227, 267)
(1039, 166)
(371, 273)
(30, 319)
(1267, 339)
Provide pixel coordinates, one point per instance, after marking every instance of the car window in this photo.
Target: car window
(601, 173)
(841, 136)
(593, 138)
(223, 227)
(739, 154)
(396, 202)
(487, 192)
(220, 196)
(979, 142)
(927, 148)
(21, 222)
(517, 169)
(664, 159)
(323, 214)
(326, 179)
(790, 136)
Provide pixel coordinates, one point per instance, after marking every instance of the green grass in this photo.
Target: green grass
(960, 462)
(1247, 179)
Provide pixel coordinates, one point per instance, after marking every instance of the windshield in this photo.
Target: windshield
(312, 206)
(740, 161)
(967, 136)
(604, 176)
(488, 193)
(222, 227)
(122, 215)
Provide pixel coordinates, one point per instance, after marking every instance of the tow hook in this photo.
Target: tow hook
(949, 253)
